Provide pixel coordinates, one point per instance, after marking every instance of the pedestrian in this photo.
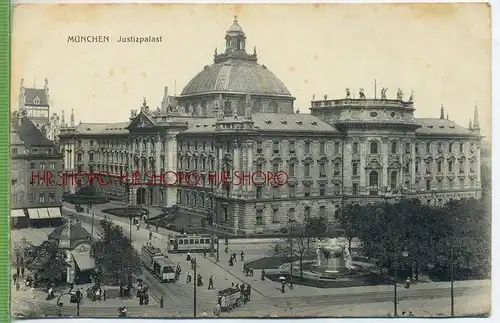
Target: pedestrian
(205, 252)
(242, 256)
(249, 291)
(218, 309)
(211, 282)
(232, 284)
(199, 281)
(150, 235)
(18, 286)
(242, 288)
(283, 286)
(234, 256)
(22, 271)
(138, 226)
(188, 257)
(188, 277)
(18, 271)
(14, 277)
(146, 298)
(231, 262)
(237, 286)
(226, 241)
(161, 301)
(104, 295)
(263, 275)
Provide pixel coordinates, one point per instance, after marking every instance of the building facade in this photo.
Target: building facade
(236, 116)
(36, 193)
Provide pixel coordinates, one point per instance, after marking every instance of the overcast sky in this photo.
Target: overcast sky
(441, 52)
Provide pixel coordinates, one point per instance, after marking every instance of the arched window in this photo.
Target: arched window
(394, 180)
(273, 107)
(257, 106)
(374, 147)
(204, 108)
(373, 178)
(240, 108)
(394, 147)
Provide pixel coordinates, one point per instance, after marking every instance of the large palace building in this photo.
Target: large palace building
(237, 116)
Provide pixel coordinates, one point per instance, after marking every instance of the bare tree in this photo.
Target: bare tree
(293, 247)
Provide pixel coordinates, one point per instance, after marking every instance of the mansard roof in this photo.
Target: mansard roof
(435, 126)
(31, 94)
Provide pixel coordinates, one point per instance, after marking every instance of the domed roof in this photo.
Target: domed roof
(71, 233)
(236, 75)
(235, 27)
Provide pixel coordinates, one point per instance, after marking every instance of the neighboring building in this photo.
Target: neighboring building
(235, 115)
(76, 242)
(34, 198)
(36, 104)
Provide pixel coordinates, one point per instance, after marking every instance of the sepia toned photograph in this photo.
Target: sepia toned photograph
(251, 160)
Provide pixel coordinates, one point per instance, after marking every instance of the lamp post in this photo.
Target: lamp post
(452, 269)
(195, 278)
(60, 304)
(405, 254)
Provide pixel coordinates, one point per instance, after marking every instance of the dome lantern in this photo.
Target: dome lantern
(235, 37)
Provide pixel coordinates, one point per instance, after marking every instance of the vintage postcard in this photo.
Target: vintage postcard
(256, 160)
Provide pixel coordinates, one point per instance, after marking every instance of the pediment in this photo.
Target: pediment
(142, 121)
(373, 164)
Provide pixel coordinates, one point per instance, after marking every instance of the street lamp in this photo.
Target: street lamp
(78, 301)
(195, 278)
(405, 254)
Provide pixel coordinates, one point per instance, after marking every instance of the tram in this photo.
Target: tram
(191, 242)
(161, 267)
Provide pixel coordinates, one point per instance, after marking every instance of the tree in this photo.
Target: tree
(315, 227)
(19, 251)
(349, 220)
(47, 262)
(115, 257)
(294, 246)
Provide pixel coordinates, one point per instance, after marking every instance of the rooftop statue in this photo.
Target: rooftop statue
(133, 113)
(382, 93)
(411, 97)
(347, 93)
(314, 97)
(362, 93)
(400, 94)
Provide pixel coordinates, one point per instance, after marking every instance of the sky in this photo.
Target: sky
(441, 52)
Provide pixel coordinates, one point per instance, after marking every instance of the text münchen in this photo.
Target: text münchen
(88, 39)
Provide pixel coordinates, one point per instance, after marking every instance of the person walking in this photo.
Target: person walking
(242, 256)
(249, 291)
(161, 301)
(211, 282)
(150, 235)
(188, 277)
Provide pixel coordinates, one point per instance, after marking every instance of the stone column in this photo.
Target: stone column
(171, 167)
(362, 165)
(385, 162)
(236, 186)
(478, 166)
(250, 170)
(346, 166)
(158, 158)
(413, 163)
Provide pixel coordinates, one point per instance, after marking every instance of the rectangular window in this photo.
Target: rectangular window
(428, 185)
(258, 193)
(355, 169)
(42, 198)
(439, 167)
(336, 169)
(276, 216)
(291, 191)
(355, 148)
(450, 166)
(355, 189)
(276, 192)
(259, 147)
(322, 211)
(307, 212)
(461, 166)
(291, 170)
(461, 148)
(276, 147)
(291, 147)
(408, 148)
(450, 147)
(417, 167)
(337, 147)
(91, 157)
(440, 184)
(416, 149)
(32, 197)
(307, 170)
(322, 170)
(337, 189)
(322, 147)
(322, 190)
(428, 148)
(450, 183)
(307, 190)
(53, 166)
(307, 147)
(79, 157)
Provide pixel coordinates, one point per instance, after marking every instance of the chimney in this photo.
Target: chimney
(442, 113)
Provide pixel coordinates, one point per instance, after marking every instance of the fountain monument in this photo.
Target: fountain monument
(333, 257)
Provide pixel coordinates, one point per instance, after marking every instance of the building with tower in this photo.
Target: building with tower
(237, 116)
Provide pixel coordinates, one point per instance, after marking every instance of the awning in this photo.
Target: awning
(83, 260)
(33, 214)
(17, 213)
(54, 212)
(43, 214)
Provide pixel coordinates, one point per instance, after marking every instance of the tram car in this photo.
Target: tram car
(154, 260)
(191, 243)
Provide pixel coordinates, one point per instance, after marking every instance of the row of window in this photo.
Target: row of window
(451, 167)
(34, 151)
(42, 165)
(34, 197)
(291, 214)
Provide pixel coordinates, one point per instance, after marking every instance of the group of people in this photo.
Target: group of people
(245, 291)
(232, 258)
(96, 293)
(142, 293)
